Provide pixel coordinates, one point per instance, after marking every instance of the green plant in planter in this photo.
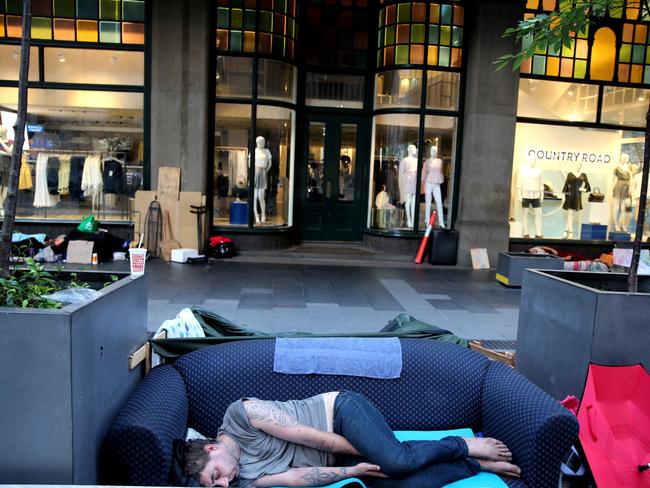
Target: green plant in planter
(23, 288)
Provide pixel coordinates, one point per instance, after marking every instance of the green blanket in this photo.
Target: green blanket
(219, 330)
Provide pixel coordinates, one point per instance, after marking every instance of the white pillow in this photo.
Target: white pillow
(194, 435)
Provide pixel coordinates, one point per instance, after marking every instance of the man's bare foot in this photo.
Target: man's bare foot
(487, 448)
(500, 467)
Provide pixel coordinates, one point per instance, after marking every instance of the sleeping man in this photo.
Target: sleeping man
(328, 438)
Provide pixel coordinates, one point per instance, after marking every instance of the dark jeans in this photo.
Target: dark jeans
(410, 464)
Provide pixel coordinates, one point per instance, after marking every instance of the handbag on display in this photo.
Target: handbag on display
(596, 196)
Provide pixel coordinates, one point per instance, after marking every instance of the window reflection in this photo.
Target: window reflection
(400, 88)
(234, 76)
(347, 163)
(625, 106)
(555, 100)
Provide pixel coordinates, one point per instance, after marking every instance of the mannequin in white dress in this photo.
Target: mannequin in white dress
(530, 188)
(408, 168)
(433, 177)
(621, 197)
(262, 166)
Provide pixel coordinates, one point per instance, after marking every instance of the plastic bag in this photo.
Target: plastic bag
(88, 225)
(74, 295)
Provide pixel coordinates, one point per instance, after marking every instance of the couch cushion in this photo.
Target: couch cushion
(440, 385)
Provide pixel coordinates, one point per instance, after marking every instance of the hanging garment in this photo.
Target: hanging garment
(25, 179)
(53, 175)
(113, 176)
(42, 197)
(77, 164)
(573, 188)
(64, 175)
(91, 178)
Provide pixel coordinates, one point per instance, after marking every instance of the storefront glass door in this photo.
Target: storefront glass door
(331, 179)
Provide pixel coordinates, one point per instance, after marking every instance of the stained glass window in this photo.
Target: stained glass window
(105, 21)
(338, 34)
(262, 26)
(420, 33)
(615, 48)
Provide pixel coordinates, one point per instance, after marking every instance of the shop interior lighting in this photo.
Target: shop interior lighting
(15, 54)
(114, 58)
(532, 85)
(641, 97)
(61, 57)
(571, 91)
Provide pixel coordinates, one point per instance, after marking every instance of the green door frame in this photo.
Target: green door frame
(331, 219)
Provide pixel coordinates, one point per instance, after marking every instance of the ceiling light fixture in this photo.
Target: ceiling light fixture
(61, 57)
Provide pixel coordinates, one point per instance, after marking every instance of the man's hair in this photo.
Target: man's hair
(194, 456)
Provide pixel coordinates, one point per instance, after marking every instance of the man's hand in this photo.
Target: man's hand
(366, 469)
(319, 476)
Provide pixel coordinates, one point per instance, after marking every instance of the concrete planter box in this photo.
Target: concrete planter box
(511, 266)
(568, 319)
(64, 377)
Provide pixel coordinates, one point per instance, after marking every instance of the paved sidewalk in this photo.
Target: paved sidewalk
(335, 296)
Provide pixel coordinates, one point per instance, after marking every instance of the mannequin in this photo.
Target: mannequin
(408, 168)
(433, 177)
(5, 163)
(262, 166)
(345, 171)
(530, 188)
(5, 148)
(574, 186)
(621, 201)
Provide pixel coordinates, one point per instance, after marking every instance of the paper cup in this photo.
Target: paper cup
(138, 257)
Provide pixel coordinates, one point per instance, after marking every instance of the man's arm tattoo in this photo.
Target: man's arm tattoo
(264, 412)
(320, 476)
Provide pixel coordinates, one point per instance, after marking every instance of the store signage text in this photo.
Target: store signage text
(569, 156)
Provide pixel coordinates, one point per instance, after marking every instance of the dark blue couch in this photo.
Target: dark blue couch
(442, 386)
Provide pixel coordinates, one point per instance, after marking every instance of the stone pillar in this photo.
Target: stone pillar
(489, 129)
(180, 45)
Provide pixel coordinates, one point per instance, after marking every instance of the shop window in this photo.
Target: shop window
(234, 76)
(625, 106)
(276, 80)
(340, 91)
(436, 181)
(564, 177)
(554, 100)
(393, 191)
(399, 88)
(443, 88)
(85, 153)
(10, 62)
(273, 159)
(95, 66)
(231, 159)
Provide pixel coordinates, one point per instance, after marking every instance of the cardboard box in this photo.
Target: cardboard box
(183, 254)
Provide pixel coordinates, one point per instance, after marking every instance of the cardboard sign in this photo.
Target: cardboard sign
(623, 258)
(480, 259)
(169, 183)
(80, 252)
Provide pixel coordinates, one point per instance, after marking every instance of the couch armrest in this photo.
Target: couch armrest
(536, 428)
(138, 446)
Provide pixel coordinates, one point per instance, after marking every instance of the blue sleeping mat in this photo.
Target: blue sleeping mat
(481, 480)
